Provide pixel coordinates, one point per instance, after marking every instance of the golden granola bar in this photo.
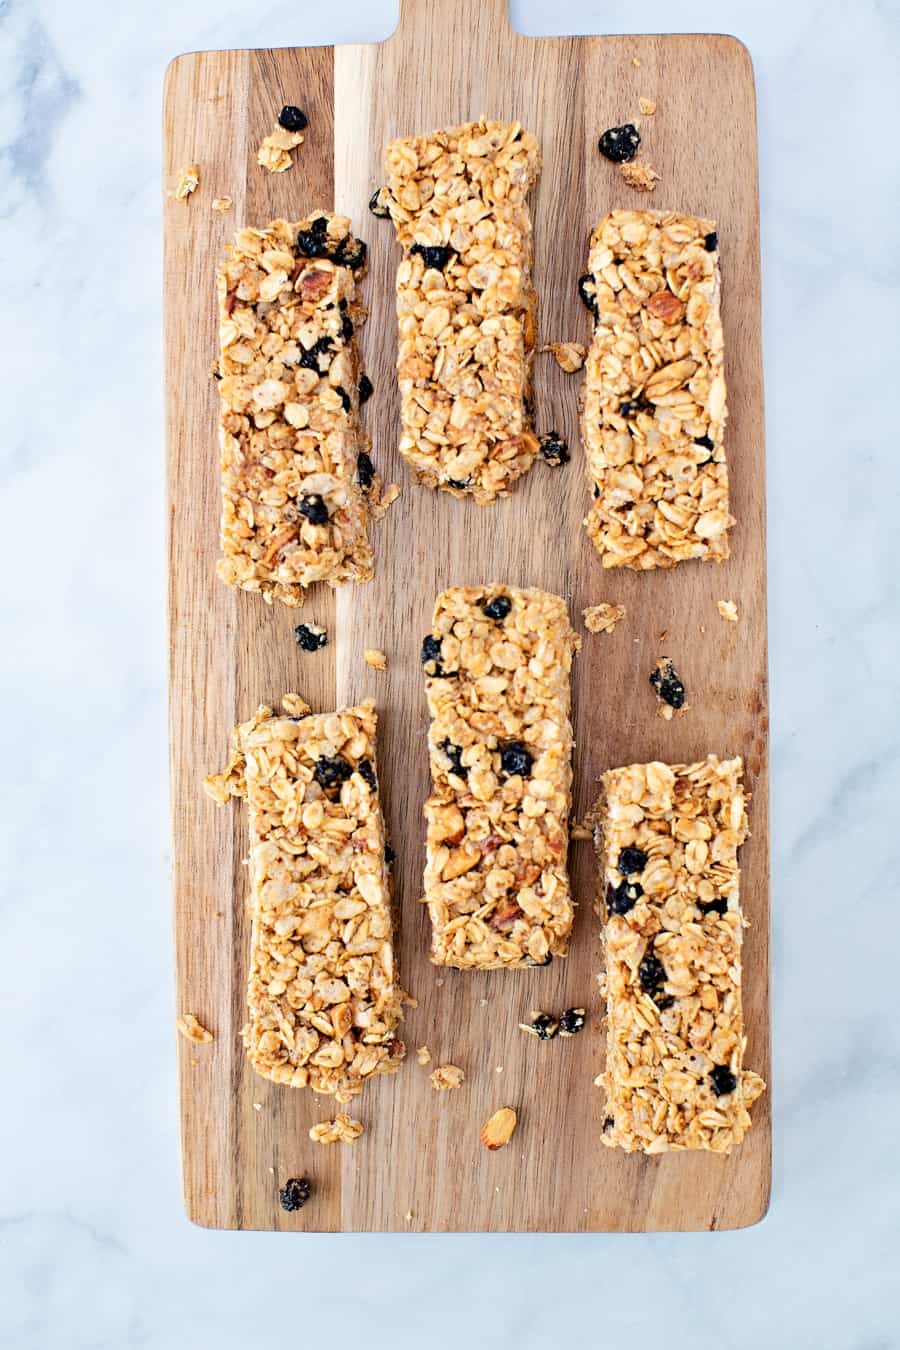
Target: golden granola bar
(465, 304)
(500, 745)
(668, 837)
(293, 511)
(323, 996)
(653, 400)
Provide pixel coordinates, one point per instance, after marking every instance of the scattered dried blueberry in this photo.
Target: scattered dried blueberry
(586, 286)
(314, 509)
(292, 119)
(366, 389)
(351, 253)
(498, 608)
(459, 483)
(571, 1022)
(435, 256)
(454, 754)
(620, 144)
(331, 771)
(377, 206)
(365, 471)
(554, 449)
(310, 637)
(705, 441)
(652, 974)
(368, 773)
(722, 1079)
(632, 860)
(515, 759)
(667, 683)
(545, 1027)
(622, 898)
(717, 906)
(711, 241)
(431, 649)
(309, 356)
(294, 1194)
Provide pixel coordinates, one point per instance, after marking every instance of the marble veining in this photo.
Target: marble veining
(95, 1249)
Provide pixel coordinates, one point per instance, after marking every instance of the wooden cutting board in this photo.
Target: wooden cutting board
(419, 1165)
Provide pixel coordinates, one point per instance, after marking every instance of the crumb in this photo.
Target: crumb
(439, 983)
(188, 182)
(446, 1077)
(641, 177)
(499, 1068)
(663, 635)
(728, 610)
(375, 658)
(423, 1055)
(569, 356)
(295, 706)
(408, 999)
(483, 1003)
(408, 1216)
(257, 1106)
(635, 62)
(272, 1171)
(390, 495)
(275, 152)
(498, 1131)
(647, 106)
(192, 1030)
(222, 203)
(581, 831)
(603, 618)
(342, 1130)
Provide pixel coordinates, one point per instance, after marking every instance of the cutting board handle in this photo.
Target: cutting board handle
(477, 16)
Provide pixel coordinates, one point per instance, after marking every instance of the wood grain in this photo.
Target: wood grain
(420, 1155)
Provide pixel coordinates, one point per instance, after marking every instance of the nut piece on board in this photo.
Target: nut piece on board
(499, 1129)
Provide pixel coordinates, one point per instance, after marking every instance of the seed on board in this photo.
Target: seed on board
(292, 118)
(498, 608)
(499, 1129)
(310, 637)
(722, 1079)
(554, 449)
(668, 683)
(314, 509)
(294, 1194)
(435, 256)
(620, 144)
(540, 1024)
(515, 759)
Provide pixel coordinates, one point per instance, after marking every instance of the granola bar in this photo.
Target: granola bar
(500, 745)
(465, 304)
(668, 837)
(293, 512)
(323, 996)
(653, 400)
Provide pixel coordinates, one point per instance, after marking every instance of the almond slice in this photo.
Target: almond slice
(499, 1129)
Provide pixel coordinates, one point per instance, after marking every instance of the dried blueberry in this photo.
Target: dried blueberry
(596, 491)
(366, 389)
(622, 898)
(586, 289)
(620, 144)
(310, 637)
(667, 683)
(652, 974)
(571, 1021)
(544, 1026)
(515, 759)
(632, 406)
(705, 441)
(632, 860)
(313, 243)
(545, 961)
(722, 1079)
(554, 449)
(711, 241)
(366, 771)
(365, 471)
(431, 649)
(320, 225)
(343, 396)
(314, 509)
(294, 1194)
(458, 483)
(377, 206)
(351, 252)
(346, 327)
(454, 754)
(389, 854)
(717, 906)
(292, 119)
(498, 608)
(435, 256)
(331, 771)
(663, 1002)
(309, 356)
(608, 1123)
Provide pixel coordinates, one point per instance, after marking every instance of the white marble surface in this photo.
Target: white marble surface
(95, 1249)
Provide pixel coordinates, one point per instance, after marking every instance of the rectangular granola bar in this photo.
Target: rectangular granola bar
(323, 996)
(500, 745)
(653, 399)
(293, 512)
(465, 304)
(668, 837)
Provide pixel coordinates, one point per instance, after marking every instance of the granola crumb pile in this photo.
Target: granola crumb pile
(569, 356)
(188, 1026)
(640, 176)
(728, 610)
(423, 1055)
(603, 618)
(647, 106)
(222, 204)
(653, 399)
(188, 182)
(446, 1077)
(669, 884)
(465, 304)
(342, 1130)
(274, 153)
(375, 658)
